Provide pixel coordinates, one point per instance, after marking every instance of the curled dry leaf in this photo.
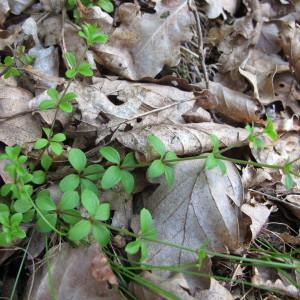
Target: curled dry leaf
(186, 139)
(101, 270)
(71, 276)
(271, 279)
(202, 206)
(232, 104)
(144, 43)
(22, 129)
(215, 8)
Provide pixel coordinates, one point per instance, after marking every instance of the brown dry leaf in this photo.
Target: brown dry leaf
(72, 276)
(293, 203)
(101, 270)
(8, 37)
(270, 279)
(232, 104)
(4, 9)
(202, 206)
(215, 8)
(186, 139)
(290, 40)
(144, 43)
(258, 215)
(19, 130)
(54, 6)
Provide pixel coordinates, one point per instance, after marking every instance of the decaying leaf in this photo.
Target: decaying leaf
(215, 8)
(73, 272)
(144, 43)
(4, 9)
(22, 129)
(271, 279)
(52, 5)
(8, 37)
(202, 206)
(186, 139)
(293, 203)
(232, 104)
(18, 6)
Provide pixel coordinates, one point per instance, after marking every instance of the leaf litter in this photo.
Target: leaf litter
(250, 51)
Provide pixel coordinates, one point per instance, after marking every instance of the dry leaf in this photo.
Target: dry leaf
(54, 6)
(202, 206)
(22, 129)
(71, 276)
(18, 6)
(4, 9)
(8, 37)
(270, 279)
(232, 104)
(293, 203)
(187, 139)
(144, 43)
(215, 8)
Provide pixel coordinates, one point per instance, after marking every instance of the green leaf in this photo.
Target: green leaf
(211, 162)
(288, 181)
(46, 161)
(66, 106)
(71, 73)
(69, 97)
(69, 183)
(93, 172)
(72, 216)
(106, 5)
(86, 184)
(12, 71)
(110, 154)
(13, 151)
(102, 212)
(5, 239)
(169, 175)
(127, 181)
(170, 155)
(53, 94)
(77, 159)
(48, 132)
(85, 70)
(59, 137)
(71, 59)
(80, 230)
(145, 220)
(22, 205)
(69, 200)
(8, 61)
(129, 161)
(157, 144)
(42, 226)
(215, 141)
(56, 148)
(38, 177)
(144, 251)
(133, 247)
(47, 104)
(270, 130)
(222, 166)
(6, 189)
(156, 169)
(92, 34)
(101, 234)
(111, 177)
(40, 144)
(90, 201)
(44, 201)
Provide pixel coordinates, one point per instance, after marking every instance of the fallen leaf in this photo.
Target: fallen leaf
(22, 129)
(293, 203)
(144, 43)
(71, 276)
(54, 6)
(232, 104)
(202, 206)
(215, 8)
(18, 6)
(186, 139)
(4, 9)
(7, 37)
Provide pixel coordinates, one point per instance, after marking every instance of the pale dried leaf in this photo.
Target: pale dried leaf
(54, 6)
(202, 206)
(293, 203)
(215, 8)
(4, 9)
(270, 279)
(18, 6)
(71, 276)
(8, 37)
(144, 43)
(22, 129)
(186, 139)
(232, 104)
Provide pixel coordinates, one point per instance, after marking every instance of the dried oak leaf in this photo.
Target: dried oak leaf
(186, 139)
(144, 43)
(202, 206)
(73, 276)
(22, 129)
